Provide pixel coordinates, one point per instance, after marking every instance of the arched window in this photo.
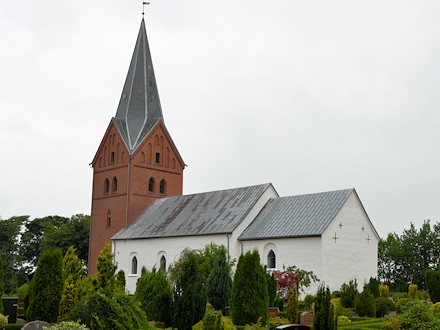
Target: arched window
(157, 158)
(106, 186)
(142, 157)
(162, 187)
(134, 265)
(271, 259)
(163, 263)
(114, 184)
(151, 185)
(122, 157)
(109, 218)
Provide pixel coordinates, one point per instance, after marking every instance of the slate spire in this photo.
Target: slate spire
(139, 107)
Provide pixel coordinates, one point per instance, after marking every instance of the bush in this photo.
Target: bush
(373, 285)
(3, 321)
(292, 305)
(226, 320)
(254, 326)
(274, 322)
(416, 315)
(67, 326)
(432, 280)
(365, 304)
(384, 291)
(105, 309)
(435, 310)
(422, 295)
(348, 293)
(212, 319)
(13, 326)
(391, 324)
(412, 290)
(384, 306)
(343, 320)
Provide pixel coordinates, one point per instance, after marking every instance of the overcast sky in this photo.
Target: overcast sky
(311, 96)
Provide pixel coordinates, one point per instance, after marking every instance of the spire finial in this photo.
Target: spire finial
(143, 7)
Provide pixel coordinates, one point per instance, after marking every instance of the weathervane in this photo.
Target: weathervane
(143, 7)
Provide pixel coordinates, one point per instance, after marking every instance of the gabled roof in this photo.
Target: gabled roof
(216, 212)
(139, 107)
(296, 216)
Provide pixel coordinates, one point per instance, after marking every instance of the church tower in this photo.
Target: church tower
(137, 160)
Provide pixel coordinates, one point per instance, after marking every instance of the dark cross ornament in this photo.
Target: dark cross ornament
(368, 239)
(340, 225)
(363, 228)
(143, 7)
(335, 238)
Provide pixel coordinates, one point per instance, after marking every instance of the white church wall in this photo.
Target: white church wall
(149, 252)
(303, 252)
(353, 254)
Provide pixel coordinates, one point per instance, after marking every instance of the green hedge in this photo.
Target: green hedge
(13, 326)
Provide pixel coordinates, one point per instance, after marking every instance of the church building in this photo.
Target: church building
(137, 203)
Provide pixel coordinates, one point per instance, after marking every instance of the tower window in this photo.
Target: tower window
(134, 265)
(151, 185)
(109, 218)
(112, 157)
(114, 185)
(106, 186)
(163, 263)
(271, 259)
(162, 187)
(157, 158)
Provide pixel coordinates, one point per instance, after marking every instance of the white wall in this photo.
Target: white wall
(149, 251)
(303, 252)
(352, 256)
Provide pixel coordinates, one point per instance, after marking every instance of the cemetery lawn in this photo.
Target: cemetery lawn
(362, 323)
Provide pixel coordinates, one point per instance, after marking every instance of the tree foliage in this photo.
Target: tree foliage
(365, 305)
(293, 305)
(249, 298)
(212, 319)
(105, 309)
(189, 295)
(433, 284)
(285, 280)
(46, 287)
(348, 293)
(373, 286)
(219, 282)
(304, 278)
(155, 295)
(2, 283)
(404, 259)
(105, 277)
(324, 316)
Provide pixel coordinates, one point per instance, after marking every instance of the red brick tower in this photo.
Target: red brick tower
(137, 160)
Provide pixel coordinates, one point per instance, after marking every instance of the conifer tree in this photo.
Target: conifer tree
(72, 265)
(46, 287)
(154, 292)
(120, 280)
(249, 298)
(105, 278)
(293, 305)
(2, 281)
(324, 318)
(365, 304)
(219, 282)
(432, 279)
(68, 300)
(272, 288)
(189, 296)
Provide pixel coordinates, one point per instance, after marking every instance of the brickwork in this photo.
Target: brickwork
(121, 182)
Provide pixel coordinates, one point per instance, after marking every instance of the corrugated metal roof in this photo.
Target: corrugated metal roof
(198, 214)
(293, 216)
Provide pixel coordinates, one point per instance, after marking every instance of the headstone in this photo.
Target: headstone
(306, 318)
(273, 311)
(35, 325)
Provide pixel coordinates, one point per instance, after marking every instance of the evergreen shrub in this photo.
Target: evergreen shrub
(249, 297)
(412, 291)
(324, 317)
(365, 304)
(3, 321)
(416, 315)
(292, 305)
(384, 290)
(432, 280)
(212, 319)
(66, 325)
(384, 306)
(219, 282)
(13, 326)
(2, 281)
(274, 322)
(348, 293)
(373, 285)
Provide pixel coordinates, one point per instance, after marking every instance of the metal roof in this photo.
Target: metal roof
(207, 213)
(296, 216)
(139, 107)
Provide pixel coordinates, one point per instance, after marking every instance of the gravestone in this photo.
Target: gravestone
(35, 325)
(273, 311)
(306, 318)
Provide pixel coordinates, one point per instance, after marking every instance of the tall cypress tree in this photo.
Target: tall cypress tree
(2, 282)
(46, 287)
(189, 296)
(219, 282)
(324, 318)
(249, 297)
